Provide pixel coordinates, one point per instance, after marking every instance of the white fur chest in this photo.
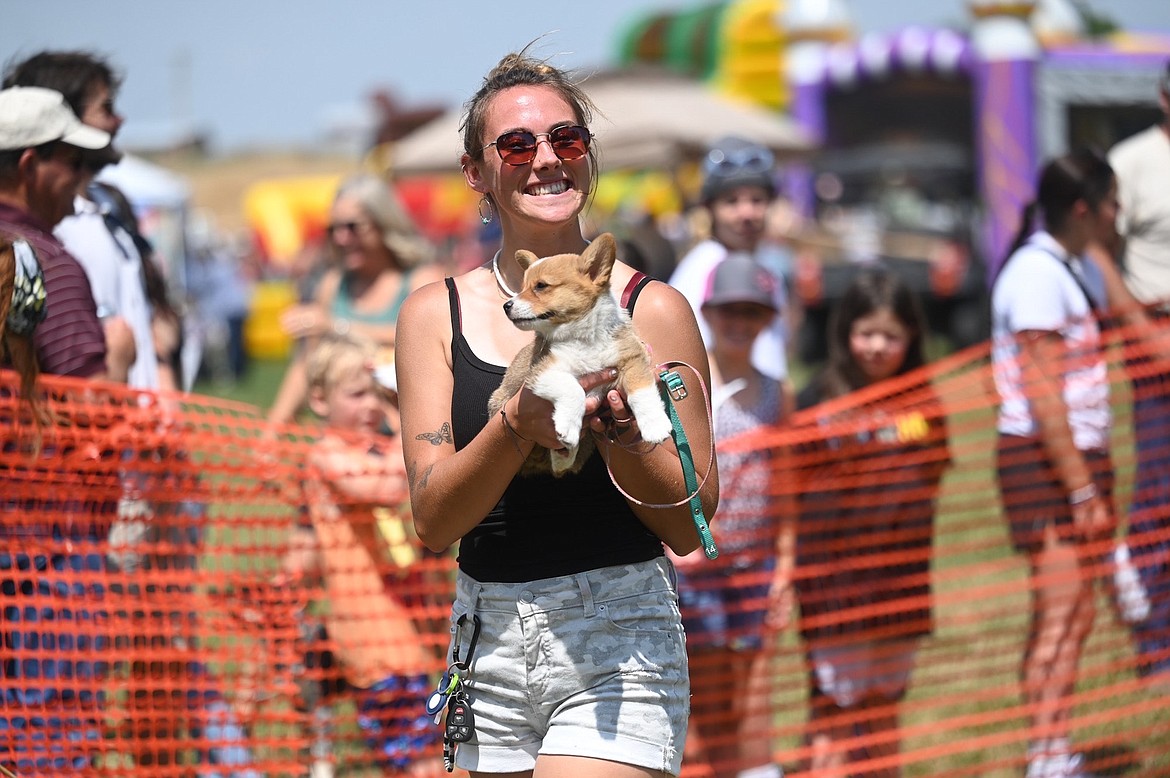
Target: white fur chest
(590, 343)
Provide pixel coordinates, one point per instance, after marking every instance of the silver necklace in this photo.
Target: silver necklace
(499, 276)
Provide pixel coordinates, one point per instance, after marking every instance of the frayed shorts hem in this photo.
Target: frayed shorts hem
(574, 742)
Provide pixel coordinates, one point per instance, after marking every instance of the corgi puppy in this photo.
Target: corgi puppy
(580, 328)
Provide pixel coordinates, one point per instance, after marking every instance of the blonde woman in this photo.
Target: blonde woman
(379, 258)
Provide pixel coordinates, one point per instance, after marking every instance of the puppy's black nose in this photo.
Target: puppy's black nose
(508, 306)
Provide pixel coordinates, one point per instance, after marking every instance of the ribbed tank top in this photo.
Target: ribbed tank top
(543, 526)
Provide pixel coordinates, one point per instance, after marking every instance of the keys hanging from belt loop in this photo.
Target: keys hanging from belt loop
(460, 724)
(460, 727)
(465, 664)
(460, 721)
(450, 684)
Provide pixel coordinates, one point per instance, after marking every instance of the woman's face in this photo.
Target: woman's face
(878, 344)
(547, 190)
(1105, 216)
(99, 110)
(357, 239)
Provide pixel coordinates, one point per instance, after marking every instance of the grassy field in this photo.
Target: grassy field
(258, 387)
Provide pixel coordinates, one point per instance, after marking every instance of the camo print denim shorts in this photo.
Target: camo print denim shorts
(590, 665)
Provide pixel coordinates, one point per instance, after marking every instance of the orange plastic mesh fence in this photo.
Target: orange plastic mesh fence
(177, 600)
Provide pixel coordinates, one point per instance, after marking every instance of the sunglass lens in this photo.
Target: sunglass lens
(516, 148)
(336, 227)
(749, 160)
(570, 142)
(758, 162)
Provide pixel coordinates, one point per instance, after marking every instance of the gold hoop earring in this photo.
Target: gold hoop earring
(486, 218)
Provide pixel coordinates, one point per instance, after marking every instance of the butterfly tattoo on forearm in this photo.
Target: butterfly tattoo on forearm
(437, 438)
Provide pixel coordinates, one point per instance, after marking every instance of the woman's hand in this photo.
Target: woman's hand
(531, 416)
(166, 331)
(615, 421)
(1094, 518)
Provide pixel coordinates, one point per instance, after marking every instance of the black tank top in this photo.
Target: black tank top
(543, 526)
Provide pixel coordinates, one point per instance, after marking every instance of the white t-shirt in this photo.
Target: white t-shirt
(1036, 291)
(692, 277)
(1142, 166)
(114, 268)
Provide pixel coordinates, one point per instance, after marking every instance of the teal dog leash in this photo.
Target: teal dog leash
(672, 388)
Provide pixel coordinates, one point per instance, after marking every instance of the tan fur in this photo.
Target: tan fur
(580, 328)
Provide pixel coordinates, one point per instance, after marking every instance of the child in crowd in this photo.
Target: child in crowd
(725, 601)
(866, 524)
(355, 481)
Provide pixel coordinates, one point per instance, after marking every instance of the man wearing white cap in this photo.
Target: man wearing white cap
(42, 147)
(103, 233)
(42, 144)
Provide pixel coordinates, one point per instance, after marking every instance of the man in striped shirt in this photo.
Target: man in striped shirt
(42, 143)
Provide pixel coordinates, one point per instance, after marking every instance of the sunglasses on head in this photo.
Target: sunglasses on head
(519, 146)
(751, 160)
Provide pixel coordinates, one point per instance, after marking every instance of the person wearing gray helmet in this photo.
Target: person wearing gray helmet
(738, 189)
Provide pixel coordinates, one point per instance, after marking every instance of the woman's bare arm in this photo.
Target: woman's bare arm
(665, 322)
(451, 491)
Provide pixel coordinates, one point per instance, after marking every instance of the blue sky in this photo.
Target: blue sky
(279, 71)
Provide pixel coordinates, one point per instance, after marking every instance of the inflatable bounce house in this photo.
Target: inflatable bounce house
(930, 138)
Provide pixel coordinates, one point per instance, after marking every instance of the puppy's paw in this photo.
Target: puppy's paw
(568, 430)
(655, 427)
(653, 423)
(562, 461)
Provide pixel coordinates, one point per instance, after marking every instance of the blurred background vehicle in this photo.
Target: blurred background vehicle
(908, 205)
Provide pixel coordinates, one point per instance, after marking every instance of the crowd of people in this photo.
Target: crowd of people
(590, 634)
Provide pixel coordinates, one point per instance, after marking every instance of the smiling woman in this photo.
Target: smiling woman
(379, 257)
(600, 564)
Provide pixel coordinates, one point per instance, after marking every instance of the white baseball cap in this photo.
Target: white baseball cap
(31, 116)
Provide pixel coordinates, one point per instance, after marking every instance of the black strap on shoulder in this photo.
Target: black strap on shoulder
(112, 208)
(634, 288)
(453, 302)
(1076, 277)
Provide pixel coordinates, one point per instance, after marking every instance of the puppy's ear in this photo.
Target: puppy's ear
(525, 258)
(598, 258)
